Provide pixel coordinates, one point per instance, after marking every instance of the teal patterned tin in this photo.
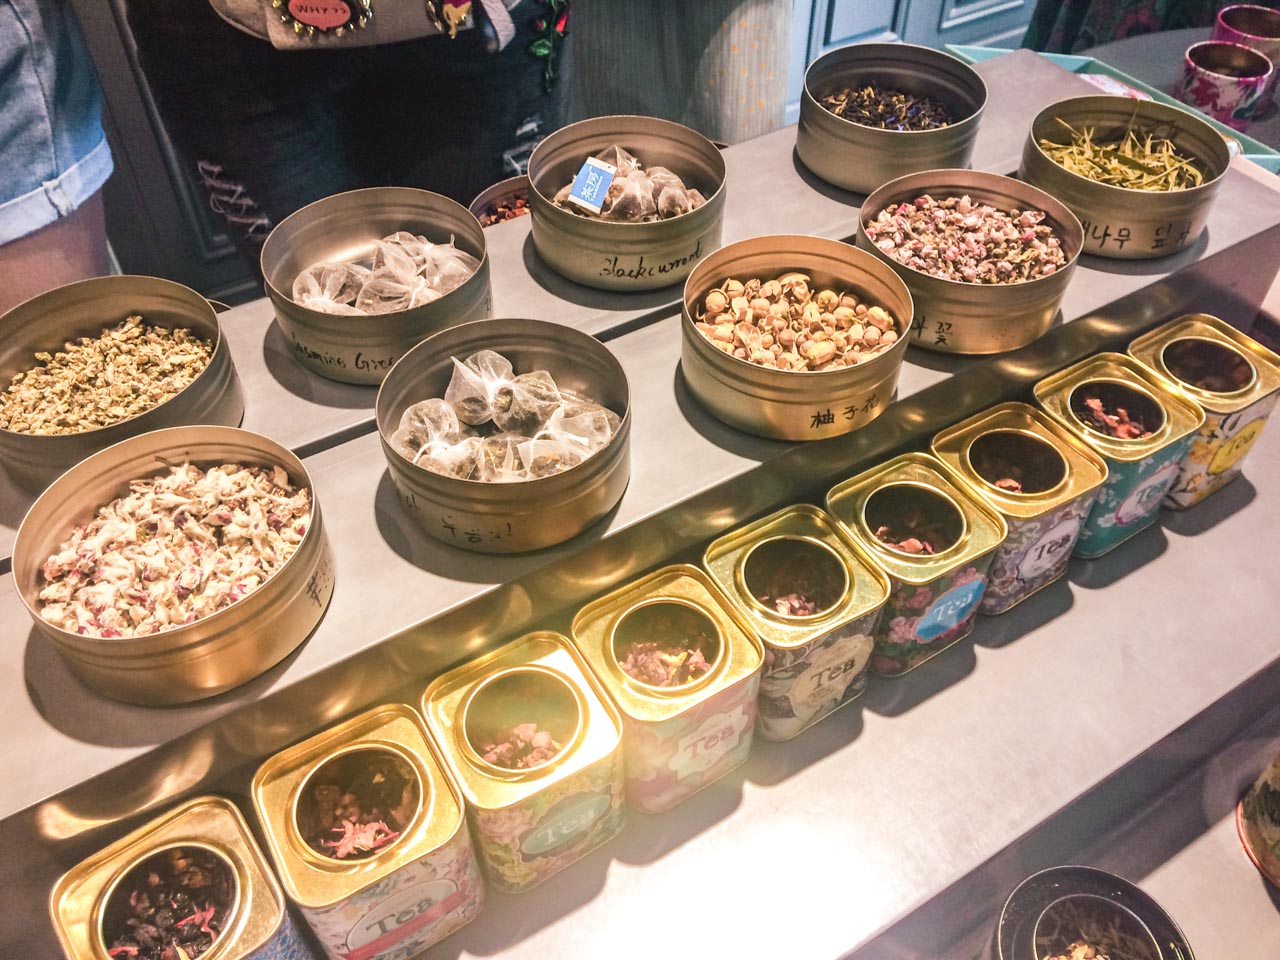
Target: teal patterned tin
(1140, 427)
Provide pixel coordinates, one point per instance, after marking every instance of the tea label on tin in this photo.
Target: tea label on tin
(707, 745)
(591, 184)
(830, 672)
(1235, 447)
(950, 610)
(1145, 497)
(406, 916)
(564, 823)
(1049, 551)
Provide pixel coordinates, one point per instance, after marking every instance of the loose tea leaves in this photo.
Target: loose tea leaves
(671, 645)
(1070, 930)
(914, 533)
(787, 325)
(803, 586)
(496, 426)
(508, 209)
(172, 905)
(97, 381)
(1114, 421)
(958, 239)
(522, 747)
(636, 195)
(871, 105)
(177, 548)
(359, 806)
(1136, 161)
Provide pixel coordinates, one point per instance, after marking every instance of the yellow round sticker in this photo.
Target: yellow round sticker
(1235, 447)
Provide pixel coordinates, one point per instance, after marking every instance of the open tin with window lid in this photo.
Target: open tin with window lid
(1063, 913)
(935, 538)
(536, 746)
(814, 598)
(366, 828)
(193, 880)
(684, 670)
(1232, 377)
(1141, 427)
(1041, 479)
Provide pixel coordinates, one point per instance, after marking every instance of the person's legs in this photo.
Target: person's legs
(71, 248)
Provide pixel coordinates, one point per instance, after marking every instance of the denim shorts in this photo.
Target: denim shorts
(53, 153)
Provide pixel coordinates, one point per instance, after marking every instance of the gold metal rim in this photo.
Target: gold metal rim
(740, 580)
(919, 485)
(472, 755)
(717, 667)
(1030, 435)
(219, 947)
(1223, 344)
(317, 859)
(1130, 385)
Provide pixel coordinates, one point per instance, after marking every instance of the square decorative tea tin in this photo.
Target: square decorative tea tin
(195, 876)
(935, 538)
(366, 828)
(1235, 381)
(1139, 425)
(814, 599)
(684, 670)
(1040, 478)
(536, 745)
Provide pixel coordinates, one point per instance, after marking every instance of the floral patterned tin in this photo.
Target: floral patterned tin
(370, 897)
(1041, 479)
(814, 598)
(1233, 378)
(536, 745)
(243, 912)
(1258, 822)
(1141, 469)
(684, 670)
(935, 538)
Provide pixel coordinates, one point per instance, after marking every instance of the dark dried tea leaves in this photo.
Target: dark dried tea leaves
(673, 649)
(1113, 422)
(355, 815)
(804, 587)
(914, 533)
(524, 746)
(871, 105)
(172, 905)
(503, 210)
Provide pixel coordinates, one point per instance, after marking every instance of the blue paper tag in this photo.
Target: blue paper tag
(592, 183)
(950, 610)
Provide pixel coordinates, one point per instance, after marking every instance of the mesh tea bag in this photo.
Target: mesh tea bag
(395, 284)
(416, 248)
(473, 385)
(330, 287)
(546, 457)
(628, 201)
(674, 202)
(523, 405)
(445, 268)
(619, 158)
(424, 423)
(499, 459)
(662, 178)
(696, 199)
(460, 460)
(589, 427)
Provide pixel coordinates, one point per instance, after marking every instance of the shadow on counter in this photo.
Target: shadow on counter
(279, 357)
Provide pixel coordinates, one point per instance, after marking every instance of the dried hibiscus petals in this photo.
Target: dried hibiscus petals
(1114, 422)
(914, 533)
(666, 645)
(522, 747)
(357, 804)
(795, 579)
(173, 904)
(177, 548)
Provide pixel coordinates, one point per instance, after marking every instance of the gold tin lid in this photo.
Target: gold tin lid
(731, 560)
(493, 691)
(1182, 348)
(1177, 415)
(80, 899)
(600, 626)
(313, 879)
(1057, 466)
(974, 526)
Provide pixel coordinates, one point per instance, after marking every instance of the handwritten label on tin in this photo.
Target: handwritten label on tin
(1145, 497)
(706, 746)
(1050, 550)
(950, 610)
(1235, 447)
(321, 14)
(591, 184)
(640, 268)
(564, 823)
(411, 913)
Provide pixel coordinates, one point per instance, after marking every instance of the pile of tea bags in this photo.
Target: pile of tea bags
(407, 271)
(637, 195)
(497, 426)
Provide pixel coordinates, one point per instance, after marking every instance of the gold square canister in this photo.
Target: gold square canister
(1041, 479)
(531, 823)
(1140, 470)
(676, 739)
(934, 597)
(1233, 378)
(407, 895)
(86, 903)
(814, 663)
